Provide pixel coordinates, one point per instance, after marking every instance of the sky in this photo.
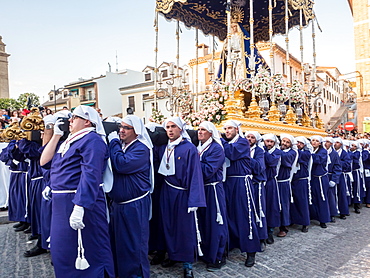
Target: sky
(58, 42)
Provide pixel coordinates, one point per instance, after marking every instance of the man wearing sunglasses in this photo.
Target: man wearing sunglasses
(79, 214)
(132, 162)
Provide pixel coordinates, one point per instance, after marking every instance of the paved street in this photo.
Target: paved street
(341, 250)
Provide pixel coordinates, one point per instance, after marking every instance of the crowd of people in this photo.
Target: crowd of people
(111, 205)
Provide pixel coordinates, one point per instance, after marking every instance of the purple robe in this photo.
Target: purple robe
(240, 206)
(335, 171)
(31, 151)
(130, 221)
(46, 205)
(214, 234)
(81, 169)
(273, 206)
(357, 184)
(299, 209)
(319, 210)
(18, 185)
(258, 168)
(366, 163)
(344, 183)
(178, 225)
(283, 179)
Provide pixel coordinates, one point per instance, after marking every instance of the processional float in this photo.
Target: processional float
(244, 87)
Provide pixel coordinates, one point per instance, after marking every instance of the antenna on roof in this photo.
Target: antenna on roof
(116, 61)
(110, 68)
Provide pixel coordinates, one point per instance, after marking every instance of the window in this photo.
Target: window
(51, 97)
(148, 76)
(65, 94)
(284, 68)
(164, 73)
(323, 92)
(144, 96)
(131, 102)
(324, 108)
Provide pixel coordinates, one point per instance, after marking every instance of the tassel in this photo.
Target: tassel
(219, 219)
(199, 239)
(81, 262)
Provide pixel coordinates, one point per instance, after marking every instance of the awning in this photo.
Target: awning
(87, 85)
(88, 104)
(73, 90)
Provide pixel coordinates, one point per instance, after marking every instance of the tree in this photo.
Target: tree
(9, 104)
(23, 99)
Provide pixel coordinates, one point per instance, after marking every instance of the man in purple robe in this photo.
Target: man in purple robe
(213, 218)
(273, 203)
(287, 167)
(80, 243)
(301, 188)
(366, 163)
(181, 194)
(241, 209)
(357, 169)
(130, 210)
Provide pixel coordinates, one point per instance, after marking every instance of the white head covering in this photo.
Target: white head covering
(329, 139)
(305, 141)
(290, 138)
(212, 129)
(113, 120)
(89, 113)
(317, 137)
(270, 136)
(49, 119)
(151, 126)
(346, 143)
(181, 124)
(63, 114)
(338, 140)
(255, 134)
(355, 143)
(143, 137)
(235, 124)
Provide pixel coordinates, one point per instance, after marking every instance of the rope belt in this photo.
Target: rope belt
(290, 188)
(38, 178)
(135, 199)
(322, 191)
(219, 218)
(18, 172)
(63, 191)
(176, 187)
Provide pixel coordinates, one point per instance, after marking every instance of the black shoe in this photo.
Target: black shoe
(216, 266)
(263, 245)
(35, 251)
(270, 239)
(323, 225)
(343, 216)
(32, 237)
(357, 211)
(188, 273)
(23, 227)
(251, 259)
(304, 229)
(158, 258)
(332, 219)
(18, 225)
(28, 230)
(168, 263)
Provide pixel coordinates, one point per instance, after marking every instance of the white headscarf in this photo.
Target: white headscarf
(305, 141)
(338, 140)
(295, 165)
(117, 120)
(256, 134)
(346, 143)
(290, 138)
(63, 114)
(330, 139)
(181, 124)
(270, 136)
(89, 113)
(307, 144)
(151, 126)
(143, 137)
(317, 137)
(49, 119)
(235, 124)
(212, 129)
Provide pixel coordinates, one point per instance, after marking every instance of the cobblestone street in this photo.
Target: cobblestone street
(341, 250)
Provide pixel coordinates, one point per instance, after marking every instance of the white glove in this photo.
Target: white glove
(46, 193)
(192, 209)
(75, 220)
(113, 135)
(57, 130)
(332, 184)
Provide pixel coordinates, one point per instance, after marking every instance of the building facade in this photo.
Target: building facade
(4, 77)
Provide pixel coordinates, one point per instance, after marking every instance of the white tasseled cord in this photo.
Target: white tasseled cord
(81, 262)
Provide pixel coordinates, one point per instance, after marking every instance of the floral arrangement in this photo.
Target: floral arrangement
(185, 106)
(157, 116)
(297, 93)
(262, 82)
(211, 106)
(280, 90)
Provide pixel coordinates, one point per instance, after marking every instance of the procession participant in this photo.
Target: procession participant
(287, 168)
(130, 210)
(357, 184)
(181, 194)
(258, 181)
(273, 205)
(31, 151)
(240, 206)
(366, 163)
(334, 173)
(212, 219)
(319, 210)
(76, 176)
(18, 186)
(344, 180)
(301, 188)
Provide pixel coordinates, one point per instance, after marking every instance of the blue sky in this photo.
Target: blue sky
(57, 42)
